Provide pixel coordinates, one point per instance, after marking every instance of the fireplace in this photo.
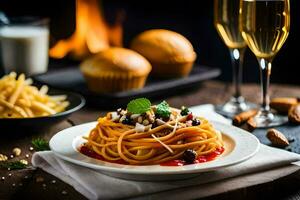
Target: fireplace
(92, 32)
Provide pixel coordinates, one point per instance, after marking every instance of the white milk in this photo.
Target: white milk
(24, 49)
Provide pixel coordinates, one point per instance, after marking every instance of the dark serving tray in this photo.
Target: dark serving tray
(72, 80)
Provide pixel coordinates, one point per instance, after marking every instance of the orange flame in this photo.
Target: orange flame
(92, 33)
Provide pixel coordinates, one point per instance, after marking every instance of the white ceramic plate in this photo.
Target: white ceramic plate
(239, 146)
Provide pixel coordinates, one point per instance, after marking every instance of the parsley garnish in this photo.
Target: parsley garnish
(40, 144)
(13, 165)
(184, 111)
(139, 106)
(163, 110)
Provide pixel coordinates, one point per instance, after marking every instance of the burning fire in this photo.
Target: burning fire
(92, 33)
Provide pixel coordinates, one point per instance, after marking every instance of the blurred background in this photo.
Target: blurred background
(126, 19)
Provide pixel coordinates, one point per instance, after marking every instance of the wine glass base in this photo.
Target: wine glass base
(269, 119)
(234, 106)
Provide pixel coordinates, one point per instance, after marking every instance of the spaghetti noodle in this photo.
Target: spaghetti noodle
(157, 142)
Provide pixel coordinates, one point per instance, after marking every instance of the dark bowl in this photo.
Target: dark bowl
(39, 123)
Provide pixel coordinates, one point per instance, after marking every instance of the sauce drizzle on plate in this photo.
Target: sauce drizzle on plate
(201, 159)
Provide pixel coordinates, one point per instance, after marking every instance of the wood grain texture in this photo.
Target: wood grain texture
(26, 185)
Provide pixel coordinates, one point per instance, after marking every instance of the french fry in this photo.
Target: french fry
(28, 81)
(23, 103)
(20, 111)
(59, 97)
(51, 104)
(42, 107)
(18, 89)
(13, 108)
(12, 75)
(44, 89)
(6, 104)
(26, 98)
(62, 106)
(29, 112)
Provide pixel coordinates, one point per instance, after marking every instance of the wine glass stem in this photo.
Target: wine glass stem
(237, 59)
(265, 72)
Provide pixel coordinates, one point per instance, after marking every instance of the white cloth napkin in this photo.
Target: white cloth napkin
(94, 185)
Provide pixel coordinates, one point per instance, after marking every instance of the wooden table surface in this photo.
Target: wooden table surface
(36, 184)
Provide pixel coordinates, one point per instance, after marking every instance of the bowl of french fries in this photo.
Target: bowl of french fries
(24, 104)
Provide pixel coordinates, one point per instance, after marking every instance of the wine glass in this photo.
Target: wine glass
(265, 25)
(226, 20)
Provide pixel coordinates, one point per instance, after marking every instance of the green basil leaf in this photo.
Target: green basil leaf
(139, 106)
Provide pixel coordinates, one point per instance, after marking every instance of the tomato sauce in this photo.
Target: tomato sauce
(201, 159)
(90, 153)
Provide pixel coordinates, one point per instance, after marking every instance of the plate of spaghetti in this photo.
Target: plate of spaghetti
(148, 142)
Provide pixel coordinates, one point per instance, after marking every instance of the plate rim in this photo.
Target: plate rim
(187, 169)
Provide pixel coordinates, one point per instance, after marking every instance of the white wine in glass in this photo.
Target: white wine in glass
(226, 20)
(265, 25)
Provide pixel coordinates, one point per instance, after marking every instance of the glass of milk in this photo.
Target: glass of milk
(24, 46)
